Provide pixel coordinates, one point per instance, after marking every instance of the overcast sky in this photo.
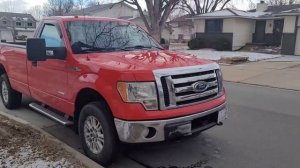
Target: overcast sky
(23, 5)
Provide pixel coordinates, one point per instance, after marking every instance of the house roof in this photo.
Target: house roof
(279, 9)
(17, 16)
(271, 12)
(97, 8)
(231, 13)
(289, 12)
(182, 20)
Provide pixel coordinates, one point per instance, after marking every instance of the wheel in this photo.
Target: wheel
(11, 98)
(97, 133)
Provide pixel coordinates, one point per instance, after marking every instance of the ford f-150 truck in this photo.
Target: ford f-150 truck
(112, 82)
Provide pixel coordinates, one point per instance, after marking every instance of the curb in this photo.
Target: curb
(268, 86)
(82, 158)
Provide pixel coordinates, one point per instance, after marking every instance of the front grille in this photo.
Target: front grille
(165, 90)
(177, 86)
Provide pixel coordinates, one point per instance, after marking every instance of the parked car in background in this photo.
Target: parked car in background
(21, 37)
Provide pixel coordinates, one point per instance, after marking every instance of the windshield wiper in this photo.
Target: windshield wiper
(141, 47)
(80, 47)
(96, 49)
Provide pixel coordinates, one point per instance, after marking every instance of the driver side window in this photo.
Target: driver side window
(52, 36)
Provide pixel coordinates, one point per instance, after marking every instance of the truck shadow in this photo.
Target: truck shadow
(187, 152)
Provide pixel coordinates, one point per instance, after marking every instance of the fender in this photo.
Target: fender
(95, 82)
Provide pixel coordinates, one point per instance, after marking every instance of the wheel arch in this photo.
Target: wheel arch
(2, 70)
(83, 97)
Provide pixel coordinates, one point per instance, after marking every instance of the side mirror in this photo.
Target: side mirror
(36, 49)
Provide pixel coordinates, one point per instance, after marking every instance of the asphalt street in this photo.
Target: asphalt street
(262, 132)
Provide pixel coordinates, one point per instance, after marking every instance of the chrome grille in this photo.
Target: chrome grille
(175, 85)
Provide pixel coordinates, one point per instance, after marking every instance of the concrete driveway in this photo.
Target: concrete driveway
(262, 131)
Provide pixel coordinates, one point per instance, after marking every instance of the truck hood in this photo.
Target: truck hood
(144, 60)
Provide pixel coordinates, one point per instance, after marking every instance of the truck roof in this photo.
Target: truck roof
(75, 18)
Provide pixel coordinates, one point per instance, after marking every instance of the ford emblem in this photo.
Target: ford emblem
(200, 86)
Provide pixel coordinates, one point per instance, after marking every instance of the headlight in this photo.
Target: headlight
(139, 92)
(220, 80)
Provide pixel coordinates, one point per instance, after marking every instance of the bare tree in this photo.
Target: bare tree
(36, 12)
(281, 2)
(196, 7)
(158, 12)
(12, 5)
(251, 5)
(58, 7)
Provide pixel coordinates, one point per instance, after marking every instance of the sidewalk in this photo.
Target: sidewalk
(284, 75)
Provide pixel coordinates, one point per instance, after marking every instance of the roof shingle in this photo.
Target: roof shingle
(14, 16)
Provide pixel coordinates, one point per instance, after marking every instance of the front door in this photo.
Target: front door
(277, 31)
(48, 80)
(259, 36)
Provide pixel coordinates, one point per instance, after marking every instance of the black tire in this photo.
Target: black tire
(101, 112)
(14, 98)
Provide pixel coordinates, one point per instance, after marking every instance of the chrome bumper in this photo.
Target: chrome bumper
(155, 131)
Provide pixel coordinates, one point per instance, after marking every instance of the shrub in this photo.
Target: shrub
(219, 44)
(196, 43)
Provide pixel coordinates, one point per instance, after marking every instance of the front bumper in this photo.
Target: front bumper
(160, 130)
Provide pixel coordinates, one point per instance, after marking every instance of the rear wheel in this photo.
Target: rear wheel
(97, 133)
(11, 98)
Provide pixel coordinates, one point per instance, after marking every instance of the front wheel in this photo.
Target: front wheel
(11, 98)
(97, 133)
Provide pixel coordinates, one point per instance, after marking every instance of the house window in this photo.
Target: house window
(180, 36)
(18, 23)
(29, 24)
(214, 26)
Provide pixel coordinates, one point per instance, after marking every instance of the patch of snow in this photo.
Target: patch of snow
(224, 12)
(249, 14)
(26, 158)
(217, 55)
(233, 12)
(296, 10)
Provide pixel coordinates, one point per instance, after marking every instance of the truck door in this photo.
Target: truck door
(48, 80)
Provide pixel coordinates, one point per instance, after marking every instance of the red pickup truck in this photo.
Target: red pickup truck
(112, 82)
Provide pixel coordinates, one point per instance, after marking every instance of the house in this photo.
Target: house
(182, 29)
(269, 25)
(120, 10)
(16, 24)
(113, 10)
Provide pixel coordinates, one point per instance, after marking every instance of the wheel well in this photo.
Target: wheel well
(2, 69)
(84, 97)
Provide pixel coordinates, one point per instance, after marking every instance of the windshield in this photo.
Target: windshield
(103, 36)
